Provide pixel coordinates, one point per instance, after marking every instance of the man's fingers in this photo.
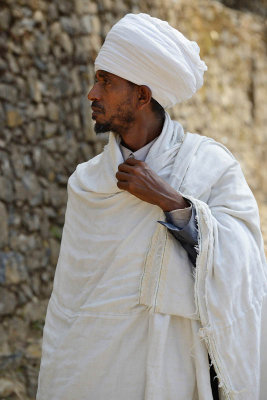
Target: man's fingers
(122, 176)
(125, 168)
(123, 185)
(130, 165)
(133, 161)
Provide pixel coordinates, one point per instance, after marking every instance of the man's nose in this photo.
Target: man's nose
(93, 93)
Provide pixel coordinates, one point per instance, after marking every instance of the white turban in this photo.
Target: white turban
(148, 51)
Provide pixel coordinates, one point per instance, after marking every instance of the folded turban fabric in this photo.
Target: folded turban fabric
(148, 51)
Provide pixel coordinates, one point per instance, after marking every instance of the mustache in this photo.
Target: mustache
(97, 106)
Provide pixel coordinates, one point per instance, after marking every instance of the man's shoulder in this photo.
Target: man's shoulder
(199, 144)
(91, 162)
(210, 149)
(86, 167)
(209, 162)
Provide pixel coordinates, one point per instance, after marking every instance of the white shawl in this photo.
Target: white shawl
(101, 274)
(230, 277)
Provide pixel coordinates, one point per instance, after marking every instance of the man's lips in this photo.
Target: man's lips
(96, 111)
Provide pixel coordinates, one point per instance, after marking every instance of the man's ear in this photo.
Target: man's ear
(144, 96)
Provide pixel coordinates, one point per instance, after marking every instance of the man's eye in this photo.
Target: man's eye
(103, 81)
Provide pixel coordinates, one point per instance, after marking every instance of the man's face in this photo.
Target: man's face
(113, 103)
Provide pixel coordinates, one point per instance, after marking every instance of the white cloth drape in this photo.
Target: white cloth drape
(126, 318)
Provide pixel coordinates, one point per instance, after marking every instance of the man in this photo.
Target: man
(143, 294)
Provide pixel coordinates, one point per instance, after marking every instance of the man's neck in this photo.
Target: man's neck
(142, 133)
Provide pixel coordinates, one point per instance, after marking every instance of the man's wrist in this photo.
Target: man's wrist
(179, 202)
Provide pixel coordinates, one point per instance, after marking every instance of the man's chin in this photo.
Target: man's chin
(102, 128)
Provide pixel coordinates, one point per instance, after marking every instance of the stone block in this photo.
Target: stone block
(20, 191)
(82, 49)
(37, 259)
(52, 111)
(34, 350)
(5, 163)
(76, 82)
(38, 16)
(49, 129)
(17, 162)
(86, 24)
(96, 43)
(70, 25)
(8, 302)
(54, 246)
(31, 221)
(52, 11)
(107, 4)
(4, 347)
(61, 87)
(14, 219)
(8, 77)
(6, 387)
(35, 311)
(8, 93)
(13, 118)
(12, 361)
(5, 18)
(12, 267)
(58, 196)
(66, 43)
(65, 7)
(6, 190)
(17, 332)
(62, 144)
(21, 242)
(44, 231)
(39, 111)
(29, 45)
(35, 90)
(50, 144)
(36, 284)
(3, 225)
(76, 122)
(85, 7)
(34, 191)
(13, 65)
(46, 165)
(3, 66)
(87, 151)
(96, 25)
(42, 45)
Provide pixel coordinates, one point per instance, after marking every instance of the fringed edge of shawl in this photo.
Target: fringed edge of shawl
(203, 261)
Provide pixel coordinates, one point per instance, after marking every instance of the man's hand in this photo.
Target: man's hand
(138, 179)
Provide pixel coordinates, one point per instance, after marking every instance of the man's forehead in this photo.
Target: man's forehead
(104, 74)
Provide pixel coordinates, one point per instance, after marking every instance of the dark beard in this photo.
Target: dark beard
(124, 117)
(101, 128)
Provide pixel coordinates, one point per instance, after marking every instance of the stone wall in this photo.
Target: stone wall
(46, 68)
(257, 6)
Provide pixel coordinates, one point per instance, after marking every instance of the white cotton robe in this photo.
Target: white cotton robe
(127, 319)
